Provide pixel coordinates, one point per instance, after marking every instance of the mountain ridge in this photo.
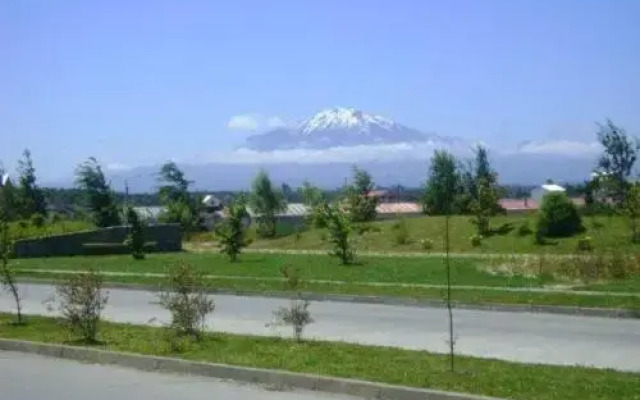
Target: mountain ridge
(341, 127)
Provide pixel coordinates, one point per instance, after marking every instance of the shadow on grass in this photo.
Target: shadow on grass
(502, 230)
(85, 342)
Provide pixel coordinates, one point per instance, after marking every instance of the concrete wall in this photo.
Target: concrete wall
(162, 237)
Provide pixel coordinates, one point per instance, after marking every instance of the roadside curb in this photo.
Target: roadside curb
(274, 378)
(391, 301)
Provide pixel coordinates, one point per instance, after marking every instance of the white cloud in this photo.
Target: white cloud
(350, 154)
(275, 122)
(117, 167)
(391, 152)
(254, 122)
(561, 147)
(245, 122)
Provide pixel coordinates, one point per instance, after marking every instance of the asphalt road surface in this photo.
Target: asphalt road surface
(32, 377)
(524, 337)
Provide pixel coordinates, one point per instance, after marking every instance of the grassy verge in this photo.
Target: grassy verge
(26, 230)
(608, 233)
(464, 296)
(465, 271)
(402, 367)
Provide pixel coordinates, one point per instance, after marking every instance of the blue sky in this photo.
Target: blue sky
(138, 82)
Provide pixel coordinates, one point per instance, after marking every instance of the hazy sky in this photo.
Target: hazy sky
(137, 82)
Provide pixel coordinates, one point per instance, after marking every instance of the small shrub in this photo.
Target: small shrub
(187, 301)
(231, 233)
(22, 224)
(339, 229)
(558, 216)
(619, 266)
(55, 218)
(585, 244)
(524, 229)
(476, 240)
(426, 244)
(402, 233)
(291, 277)
(81, 301)
(297, 315)
(38, 220)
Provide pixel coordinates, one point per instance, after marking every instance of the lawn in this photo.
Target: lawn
(25, 230)
(381, 364)
(465, 271)
(375, 276)
(609, 233)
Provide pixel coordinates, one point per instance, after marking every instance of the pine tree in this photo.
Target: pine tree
(30, 198)
(99, 196)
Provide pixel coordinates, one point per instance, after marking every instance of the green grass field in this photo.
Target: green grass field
(381, 364)
(610, 233)
(25, 230)
(374, 276)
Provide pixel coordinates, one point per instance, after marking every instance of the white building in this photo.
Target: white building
(538, 193)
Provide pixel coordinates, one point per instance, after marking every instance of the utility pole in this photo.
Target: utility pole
(126, 192)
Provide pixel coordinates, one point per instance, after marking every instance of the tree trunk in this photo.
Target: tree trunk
(449, 307)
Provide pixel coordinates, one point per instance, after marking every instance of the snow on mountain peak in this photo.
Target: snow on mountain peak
(342, 118)
(339, 127)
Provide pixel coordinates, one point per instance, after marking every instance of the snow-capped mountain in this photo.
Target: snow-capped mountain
(338, 127)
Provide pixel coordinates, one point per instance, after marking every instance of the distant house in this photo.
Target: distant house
(405, 209)
(383, 196)
(538, 193)
(518, 205)
(294, 214)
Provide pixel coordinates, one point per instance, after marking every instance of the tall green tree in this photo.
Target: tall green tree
(230, 232)
(7, 198)
(442, 186)
(174, 195)
(618, 159)
(485, 195)
(30, 198)
(266, 201)
(361, 204)
(313, 197)
(339, 227)
(441, 190)
(98, 194)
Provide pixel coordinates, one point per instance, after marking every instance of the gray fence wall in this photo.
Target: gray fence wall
(161, 237)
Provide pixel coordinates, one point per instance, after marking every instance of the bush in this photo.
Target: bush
(81, 301)
(558, 216)
(426, 244)
(231, 233)
(297, 315)
(38, 220)
(585, 244)
(476, 240)
(524, 229)
(339, 229)
(55, 218)
(187, 301)
(402, 233)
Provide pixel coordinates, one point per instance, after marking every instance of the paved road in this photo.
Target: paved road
(32, 377)
(526, 337)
